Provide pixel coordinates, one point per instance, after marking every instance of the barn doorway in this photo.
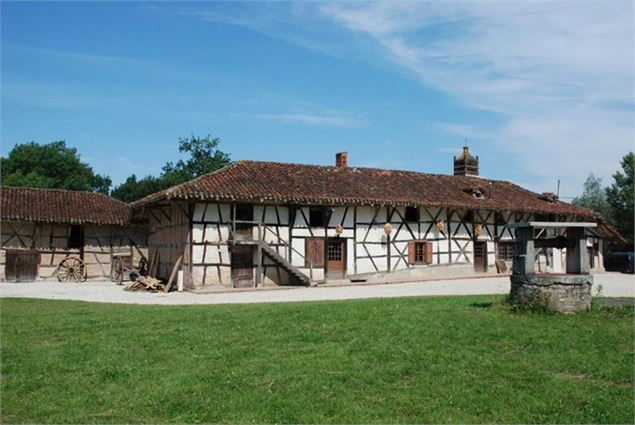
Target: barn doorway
(242, 266)
(22, 266)
(244, 213)
(480, 256)
(336, 258)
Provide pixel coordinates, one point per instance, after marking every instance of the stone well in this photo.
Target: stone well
(564, 293)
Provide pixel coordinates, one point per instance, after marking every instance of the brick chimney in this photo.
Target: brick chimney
(341, 159)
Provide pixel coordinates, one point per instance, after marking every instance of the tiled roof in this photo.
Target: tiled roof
(309, 184)
(61, 206)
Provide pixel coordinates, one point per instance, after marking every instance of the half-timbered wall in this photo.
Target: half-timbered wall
(301, 230)
(169, 236)
(451, 233)
(51, 242)
(211, 252)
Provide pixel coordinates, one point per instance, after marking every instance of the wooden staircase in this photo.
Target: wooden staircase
(286, 265)
(267, 250)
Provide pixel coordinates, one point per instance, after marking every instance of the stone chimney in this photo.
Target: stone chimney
(466, 164)
(341, 159)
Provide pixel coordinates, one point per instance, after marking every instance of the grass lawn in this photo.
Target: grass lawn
(410, 360)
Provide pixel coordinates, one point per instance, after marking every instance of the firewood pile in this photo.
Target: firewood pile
(146, 283)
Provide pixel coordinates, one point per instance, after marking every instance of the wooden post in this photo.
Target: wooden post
(355, 238)
(388, 252)
(259, 257)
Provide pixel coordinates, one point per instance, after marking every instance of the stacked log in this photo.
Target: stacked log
(146, 283)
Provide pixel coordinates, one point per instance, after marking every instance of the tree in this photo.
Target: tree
(594, 197)
(133, 189)
(620, 196)
(52, 165)
(204, 157)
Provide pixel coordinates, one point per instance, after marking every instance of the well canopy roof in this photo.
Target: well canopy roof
(61, 206)
(258, 181)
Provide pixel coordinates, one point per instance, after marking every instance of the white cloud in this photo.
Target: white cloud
(560, 73)
(324, 119)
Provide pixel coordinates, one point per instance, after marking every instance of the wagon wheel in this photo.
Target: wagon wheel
(143, 266)
(71, 269)
(117, 270)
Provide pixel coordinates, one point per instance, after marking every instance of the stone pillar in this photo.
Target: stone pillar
(577, 254)
(524, 253)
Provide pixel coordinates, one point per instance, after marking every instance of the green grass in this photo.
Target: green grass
(415, 360)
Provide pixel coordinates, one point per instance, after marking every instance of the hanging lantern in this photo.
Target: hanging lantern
(339, 229)
(388, 229)
(478, 229)
(440, 225)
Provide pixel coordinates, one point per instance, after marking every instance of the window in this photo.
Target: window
(505, 251)
(75, 237)
(244, 212)
(475, 192)
(468, 215)
(420, 252)
(334, 251)
(412, 214)
(314, 252)
(316, 217)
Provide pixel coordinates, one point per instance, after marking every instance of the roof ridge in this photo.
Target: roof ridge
(47, 189)
(168, 190)
(370, 169)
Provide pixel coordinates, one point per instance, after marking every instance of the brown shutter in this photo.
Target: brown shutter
(308, 252)
(428, 252)
(318, 252)
(411, 252)
(314, 252)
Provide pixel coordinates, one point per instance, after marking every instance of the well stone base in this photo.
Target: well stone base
(561, 293)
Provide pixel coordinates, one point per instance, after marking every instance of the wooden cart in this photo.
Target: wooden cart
(122, 268)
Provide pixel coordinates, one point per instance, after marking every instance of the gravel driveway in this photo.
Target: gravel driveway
(613, 285)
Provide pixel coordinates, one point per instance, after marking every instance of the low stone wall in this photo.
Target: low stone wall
(561, 293)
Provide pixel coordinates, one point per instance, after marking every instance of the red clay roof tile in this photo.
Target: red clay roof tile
(296, 183)
(61, 206)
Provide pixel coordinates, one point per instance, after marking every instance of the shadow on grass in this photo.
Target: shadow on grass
(482, 305)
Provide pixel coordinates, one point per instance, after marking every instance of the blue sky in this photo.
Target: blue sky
(541, 90)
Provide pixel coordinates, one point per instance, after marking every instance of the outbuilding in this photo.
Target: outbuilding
(41, 228)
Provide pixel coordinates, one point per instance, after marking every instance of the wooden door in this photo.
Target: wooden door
(22, 266)
(336, 258)
(242, 264)
(480, 256)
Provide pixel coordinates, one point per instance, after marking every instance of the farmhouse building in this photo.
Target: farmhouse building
(266, 223)
(41, 228)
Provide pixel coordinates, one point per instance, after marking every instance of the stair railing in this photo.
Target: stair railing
(292, 249)
(262, 228)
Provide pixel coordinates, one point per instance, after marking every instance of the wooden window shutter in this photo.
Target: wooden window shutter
(411, 252)
(314, 252)
(428, 252)
(308, 251)
(318, 253)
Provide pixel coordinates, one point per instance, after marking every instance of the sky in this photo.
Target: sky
(541, 90)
